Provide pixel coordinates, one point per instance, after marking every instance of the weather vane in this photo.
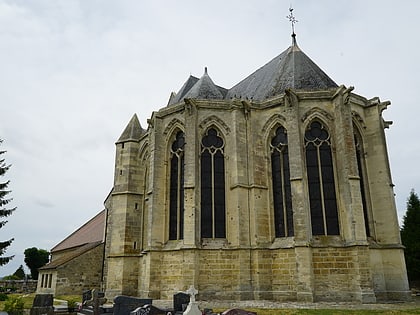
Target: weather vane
(292, 20)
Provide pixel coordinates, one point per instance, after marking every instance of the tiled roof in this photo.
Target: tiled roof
(66, 257)
(291, 69)
(203, 88)
(91, 232)
(133, 131)
(184, 89)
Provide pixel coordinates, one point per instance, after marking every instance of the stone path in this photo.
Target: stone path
(415, 303)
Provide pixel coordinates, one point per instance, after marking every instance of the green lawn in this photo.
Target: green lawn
(331, 312)
(28, 299)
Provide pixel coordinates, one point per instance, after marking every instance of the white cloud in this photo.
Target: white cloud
(74, 72)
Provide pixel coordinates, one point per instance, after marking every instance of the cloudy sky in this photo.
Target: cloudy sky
(72, 73)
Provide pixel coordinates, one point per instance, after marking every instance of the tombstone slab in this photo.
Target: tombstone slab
(149, 310)
(124, 304)
(42, 304)
(237, 311)
(181, 301)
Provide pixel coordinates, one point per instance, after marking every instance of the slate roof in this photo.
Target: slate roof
(291, 69)
(90, 232)
(203, 88)
(70, 255)
(133, 131)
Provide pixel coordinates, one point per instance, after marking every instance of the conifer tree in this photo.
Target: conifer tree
(410, 236)
(4, 211)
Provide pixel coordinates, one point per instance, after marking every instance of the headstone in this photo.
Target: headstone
(42, 304)
(43, 300)
(123, 304)
(181, 301)
(149, 310)
(237, 311)
(92, 302)
(86, 296)
(192, 308)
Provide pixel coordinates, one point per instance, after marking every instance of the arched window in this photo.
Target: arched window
(282, 197)
(213, 213)
(176, 190)
(320, 171)
(362, 171)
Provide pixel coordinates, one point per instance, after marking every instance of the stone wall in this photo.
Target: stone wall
(82, 273)
(340, 274)
(251, 263)
(19, 286)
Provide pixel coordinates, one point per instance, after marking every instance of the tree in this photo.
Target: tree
(410, 236)
(18, 275)
(34, 259)
(4, 212)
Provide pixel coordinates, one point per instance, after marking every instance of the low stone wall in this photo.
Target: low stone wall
(19, 286)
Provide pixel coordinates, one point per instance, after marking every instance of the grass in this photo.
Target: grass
(331, 312)
(28, 300)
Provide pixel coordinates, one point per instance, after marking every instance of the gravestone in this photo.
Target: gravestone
(149, 310)
(124, 304)
(92, 301)
(181, 301)
(237, 311)
(192, 308)
(86, 295)
(42, 304)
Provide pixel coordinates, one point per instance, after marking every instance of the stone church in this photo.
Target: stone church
(278, 188)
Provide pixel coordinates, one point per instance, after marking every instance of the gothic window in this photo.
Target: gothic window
(213, 216)
(320, 172)
(361, 169)
(176, 189)
(282, 197)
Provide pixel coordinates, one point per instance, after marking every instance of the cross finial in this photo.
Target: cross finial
(292, 20)
(192, 292)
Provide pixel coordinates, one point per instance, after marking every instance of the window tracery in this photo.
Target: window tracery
(176, 189)
(280, 172)
(213, 213)
(321, 183)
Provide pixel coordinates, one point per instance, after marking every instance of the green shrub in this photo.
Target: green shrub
(3, 296)
(14, 305)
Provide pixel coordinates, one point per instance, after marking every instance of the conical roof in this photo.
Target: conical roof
(184, 89)
(203, 88)
(291, 69)
(132, 132)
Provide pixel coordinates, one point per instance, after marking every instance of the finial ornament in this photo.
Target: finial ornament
(292, 20)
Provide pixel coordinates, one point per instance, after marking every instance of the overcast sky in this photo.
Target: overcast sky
(72, 74)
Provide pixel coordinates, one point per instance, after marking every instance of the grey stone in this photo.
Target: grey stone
(123, 304)
(149, 310)
(181, 301)
(42, 304)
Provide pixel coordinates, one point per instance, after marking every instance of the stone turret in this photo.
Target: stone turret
(124, 216)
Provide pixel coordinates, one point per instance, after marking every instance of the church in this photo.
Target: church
(278, 188)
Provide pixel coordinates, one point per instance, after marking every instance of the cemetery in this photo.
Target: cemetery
(93, 302)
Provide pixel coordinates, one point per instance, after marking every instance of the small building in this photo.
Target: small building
(76, 262)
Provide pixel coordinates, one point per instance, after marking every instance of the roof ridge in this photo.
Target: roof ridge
(78, 230)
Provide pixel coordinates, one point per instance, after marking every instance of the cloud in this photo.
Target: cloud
(74, 72)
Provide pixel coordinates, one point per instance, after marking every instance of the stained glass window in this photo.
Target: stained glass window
(282, 197)
(321, 184)
(213, 213)
(176, 190)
